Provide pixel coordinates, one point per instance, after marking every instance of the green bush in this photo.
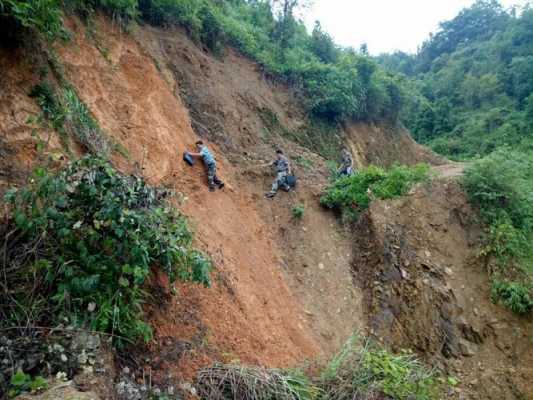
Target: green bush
(89, 237)
(367, 370)
(298, 211)
(499, 186)
(21, 382)
(513, 295)
(359, 371)
(126, 10)
(42, 16)
(351, 195)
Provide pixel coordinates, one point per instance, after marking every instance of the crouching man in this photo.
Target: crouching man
(346, 167)
(283, 169)
(210, 165)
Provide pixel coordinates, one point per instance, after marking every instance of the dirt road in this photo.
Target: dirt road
(450, 170)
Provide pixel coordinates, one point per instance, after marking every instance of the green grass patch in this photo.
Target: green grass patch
(365, 370)
(44, 17)
(69, 116)
(80, 244)
(351, 195)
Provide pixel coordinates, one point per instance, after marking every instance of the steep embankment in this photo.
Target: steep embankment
(275, 297)
(427, 289)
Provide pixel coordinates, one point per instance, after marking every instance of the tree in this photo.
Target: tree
(322, 45)
(286, 21)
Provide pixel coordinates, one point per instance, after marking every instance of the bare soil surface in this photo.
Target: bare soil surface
(450, 169)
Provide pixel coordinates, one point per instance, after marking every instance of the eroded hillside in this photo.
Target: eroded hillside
(285, 290)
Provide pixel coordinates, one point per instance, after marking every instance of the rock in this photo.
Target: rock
(321, 266)
(448, 271)
(189, 388)
(61, 391)
(467, 349)
(82, 358)
(128, 391)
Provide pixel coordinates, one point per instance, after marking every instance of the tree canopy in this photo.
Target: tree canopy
(470, 85)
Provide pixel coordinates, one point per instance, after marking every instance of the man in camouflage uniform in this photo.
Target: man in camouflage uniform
(210, 165)
(346, 163)
(283, 169)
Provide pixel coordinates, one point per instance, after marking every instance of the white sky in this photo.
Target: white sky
(385, 25)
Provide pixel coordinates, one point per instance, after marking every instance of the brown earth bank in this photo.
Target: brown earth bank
(285, 290)
(426, 289)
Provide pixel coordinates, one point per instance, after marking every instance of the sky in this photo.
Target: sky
(385, 25)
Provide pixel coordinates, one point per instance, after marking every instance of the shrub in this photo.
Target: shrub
(513, 295)
(298, 211)
(366, 370)
(41, 16)
(21, 382)
(124, 10)
(352, 194)
(499, 185)
(359, 371)
(88, 236)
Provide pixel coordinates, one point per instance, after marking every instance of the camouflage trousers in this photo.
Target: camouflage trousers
(281, 181)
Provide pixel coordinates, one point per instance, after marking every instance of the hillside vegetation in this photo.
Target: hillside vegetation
(470, 85)
(335, 84)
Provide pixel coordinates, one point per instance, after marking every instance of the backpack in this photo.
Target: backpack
(291, 181)
(188, 158)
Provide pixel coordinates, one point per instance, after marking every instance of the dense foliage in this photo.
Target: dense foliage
(470, 87)
(500, 186)
(336, 84)
(82, 244)
(43, 16)
(351, 195)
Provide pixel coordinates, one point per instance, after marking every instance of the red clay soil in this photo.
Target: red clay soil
(18, 151)
(250, 314)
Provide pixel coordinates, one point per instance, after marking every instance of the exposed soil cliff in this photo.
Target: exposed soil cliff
(427, 289)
